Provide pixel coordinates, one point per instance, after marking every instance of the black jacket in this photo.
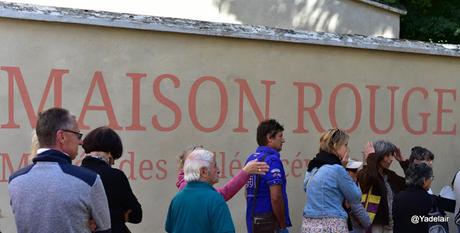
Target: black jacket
(119, 194)
(414, 201)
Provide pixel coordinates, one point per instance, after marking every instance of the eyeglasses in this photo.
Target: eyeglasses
(79, 135)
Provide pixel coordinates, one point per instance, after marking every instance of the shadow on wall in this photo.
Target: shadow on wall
(308, 15)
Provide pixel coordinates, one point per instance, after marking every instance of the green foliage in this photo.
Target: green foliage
(430, 20)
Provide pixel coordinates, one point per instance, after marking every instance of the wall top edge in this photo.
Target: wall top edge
(187, 26)
(384, 6)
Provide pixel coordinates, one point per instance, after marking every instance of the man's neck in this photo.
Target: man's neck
(43, 149)
(204, 180)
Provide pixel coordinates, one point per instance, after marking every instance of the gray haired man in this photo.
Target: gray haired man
(52, 195)
(199, 207)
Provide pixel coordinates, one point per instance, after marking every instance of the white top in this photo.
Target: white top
(352, 164)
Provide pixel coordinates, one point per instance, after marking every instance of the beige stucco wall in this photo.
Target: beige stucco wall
(338, 79)
(338, 16)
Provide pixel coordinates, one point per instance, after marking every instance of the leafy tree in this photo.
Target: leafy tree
(430, 20)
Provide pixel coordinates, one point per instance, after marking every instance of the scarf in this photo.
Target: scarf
(100, 157)
(323, 158)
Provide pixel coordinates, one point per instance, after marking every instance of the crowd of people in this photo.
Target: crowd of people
(341, 195)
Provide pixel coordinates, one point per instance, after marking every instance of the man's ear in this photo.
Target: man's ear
(269, 139)
(203, 172)
(60, 136)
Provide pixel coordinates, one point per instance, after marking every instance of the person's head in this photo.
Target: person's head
(201, 165)
(183, 155)
(103, 139)
(334, 141)
(385, 152)
(270, 133)
(420, 154)
(419, 175)
(57, 129)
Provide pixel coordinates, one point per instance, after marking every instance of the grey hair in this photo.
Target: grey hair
(417, 173)
(196, 160)
(382, 147)
(49, 122)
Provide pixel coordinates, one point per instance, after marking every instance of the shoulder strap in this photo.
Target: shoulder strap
(453, 179)
(314, 171)
(366, 203)
(256, 189)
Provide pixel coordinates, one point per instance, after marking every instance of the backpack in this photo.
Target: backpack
(437, 226)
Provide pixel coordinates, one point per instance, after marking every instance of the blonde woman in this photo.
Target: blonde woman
(327, 185)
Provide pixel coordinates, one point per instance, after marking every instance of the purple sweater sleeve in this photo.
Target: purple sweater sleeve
(227, 191)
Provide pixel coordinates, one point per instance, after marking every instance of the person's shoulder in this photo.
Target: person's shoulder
(273, 158)
(84, 174)
(252, 156)
(212, 194)
(336, 168)
(20, 172)
(118, 173)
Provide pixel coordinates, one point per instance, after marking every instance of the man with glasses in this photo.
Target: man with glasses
(52, 195)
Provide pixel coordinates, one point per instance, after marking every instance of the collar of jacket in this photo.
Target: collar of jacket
(413, 188)
(52, 156)
(267, 150)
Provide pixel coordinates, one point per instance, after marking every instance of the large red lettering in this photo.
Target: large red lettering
(136, 102)
(14, 74)
(405, 111)
(98, 80)
(442, 110)
(223, 104)
(311, 110)
(246, 91)
(358, 106)
(372, 105)
(166, 102)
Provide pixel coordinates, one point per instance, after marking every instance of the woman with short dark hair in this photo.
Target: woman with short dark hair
(102, 147)
(414, 201)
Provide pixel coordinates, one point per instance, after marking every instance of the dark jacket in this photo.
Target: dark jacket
(370, 177)
(119, 194)
(412, 201)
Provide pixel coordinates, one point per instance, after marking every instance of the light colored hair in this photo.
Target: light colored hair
(331, 140)
(34, 146)
(383, 148)
(183, 155)
(196, 160)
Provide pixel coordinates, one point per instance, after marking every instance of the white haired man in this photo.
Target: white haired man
(201, 173)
